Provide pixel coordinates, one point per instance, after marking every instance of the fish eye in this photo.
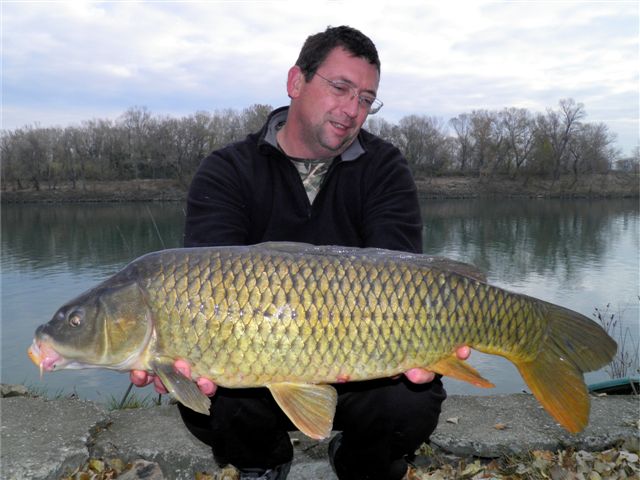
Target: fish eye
(75, 318)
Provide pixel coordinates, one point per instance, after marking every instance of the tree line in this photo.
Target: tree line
(139, 145)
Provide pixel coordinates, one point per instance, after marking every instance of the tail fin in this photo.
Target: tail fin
(574, 344)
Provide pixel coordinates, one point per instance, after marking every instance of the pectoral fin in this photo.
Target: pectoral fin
(453, 367)
(310, 407)
(183, 389)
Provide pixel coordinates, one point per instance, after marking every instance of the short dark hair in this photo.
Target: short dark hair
(317, 47)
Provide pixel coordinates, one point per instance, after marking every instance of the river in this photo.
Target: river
(577, 253)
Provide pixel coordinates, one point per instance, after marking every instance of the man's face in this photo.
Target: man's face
(329, 122)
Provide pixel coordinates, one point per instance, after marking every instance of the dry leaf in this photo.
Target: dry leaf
(500, 426)
(545, 455)
(627, 457)
(203, 476)
(229, 473)
(472, 469)
(96, 465)
(117, 464)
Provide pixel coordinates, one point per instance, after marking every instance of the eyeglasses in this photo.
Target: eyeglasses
(341, 89)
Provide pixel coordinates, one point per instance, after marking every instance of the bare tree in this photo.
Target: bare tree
(630, 164)
(558, 128)
(519, 128)
(423, 142)
(487, 140)
(136, 123)
(254, 117)
(462, 126)
(591, 149)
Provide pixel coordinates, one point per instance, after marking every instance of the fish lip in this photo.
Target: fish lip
(44, 356)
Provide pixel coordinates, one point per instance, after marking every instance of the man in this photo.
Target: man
(312, 175)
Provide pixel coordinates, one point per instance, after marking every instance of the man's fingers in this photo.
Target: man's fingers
(182, 367)
(206, 386)
(140, 378)
(463, 352)
(159, 386)
(419, 375)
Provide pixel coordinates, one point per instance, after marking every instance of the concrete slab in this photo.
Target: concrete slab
(42, 439)
(509, 424)
(157, 435)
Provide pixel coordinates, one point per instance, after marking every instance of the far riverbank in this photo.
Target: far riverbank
(612, 185)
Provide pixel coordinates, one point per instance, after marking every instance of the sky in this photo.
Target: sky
(67, 62)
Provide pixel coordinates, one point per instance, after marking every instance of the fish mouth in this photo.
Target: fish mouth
(45, 357)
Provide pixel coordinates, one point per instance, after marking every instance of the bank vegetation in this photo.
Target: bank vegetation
(512, 147)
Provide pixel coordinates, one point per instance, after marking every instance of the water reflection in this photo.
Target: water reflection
(79, 237)
(512, 239)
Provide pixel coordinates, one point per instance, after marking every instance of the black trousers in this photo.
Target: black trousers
(382, 421)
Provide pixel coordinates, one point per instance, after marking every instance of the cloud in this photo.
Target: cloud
(438, 58)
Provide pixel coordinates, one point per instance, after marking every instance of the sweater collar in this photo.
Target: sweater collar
(279, 117)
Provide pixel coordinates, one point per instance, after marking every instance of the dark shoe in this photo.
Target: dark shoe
(278, 473)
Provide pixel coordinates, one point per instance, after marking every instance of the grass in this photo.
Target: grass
(626, 362)
(132, 401)
(40, 391)
(128, 401)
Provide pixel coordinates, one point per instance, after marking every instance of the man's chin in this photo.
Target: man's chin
(337, 146)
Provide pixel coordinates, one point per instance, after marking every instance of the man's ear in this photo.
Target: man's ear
(295, 80)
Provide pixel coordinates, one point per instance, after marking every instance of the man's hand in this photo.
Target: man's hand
(420, 375)
(140, 378)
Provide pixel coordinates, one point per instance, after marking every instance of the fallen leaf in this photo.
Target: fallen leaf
(203, 476)
(472, 469)
(603, 468)
(453, 420)
(500, 426)
(229, 473)
(545, 455)
(627, 457)
(96, 465)
(117, 464)
(608, 455)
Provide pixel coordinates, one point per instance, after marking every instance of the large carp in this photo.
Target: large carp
(296, 318)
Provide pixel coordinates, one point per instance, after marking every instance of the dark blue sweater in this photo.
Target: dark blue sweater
(249, 192)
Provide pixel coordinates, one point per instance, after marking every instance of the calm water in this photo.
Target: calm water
(579, 254)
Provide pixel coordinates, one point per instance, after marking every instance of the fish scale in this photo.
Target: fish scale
(296, 318)
(348, 327)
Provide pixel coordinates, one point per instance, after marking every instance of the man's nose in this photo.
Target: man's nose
(352, 105)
